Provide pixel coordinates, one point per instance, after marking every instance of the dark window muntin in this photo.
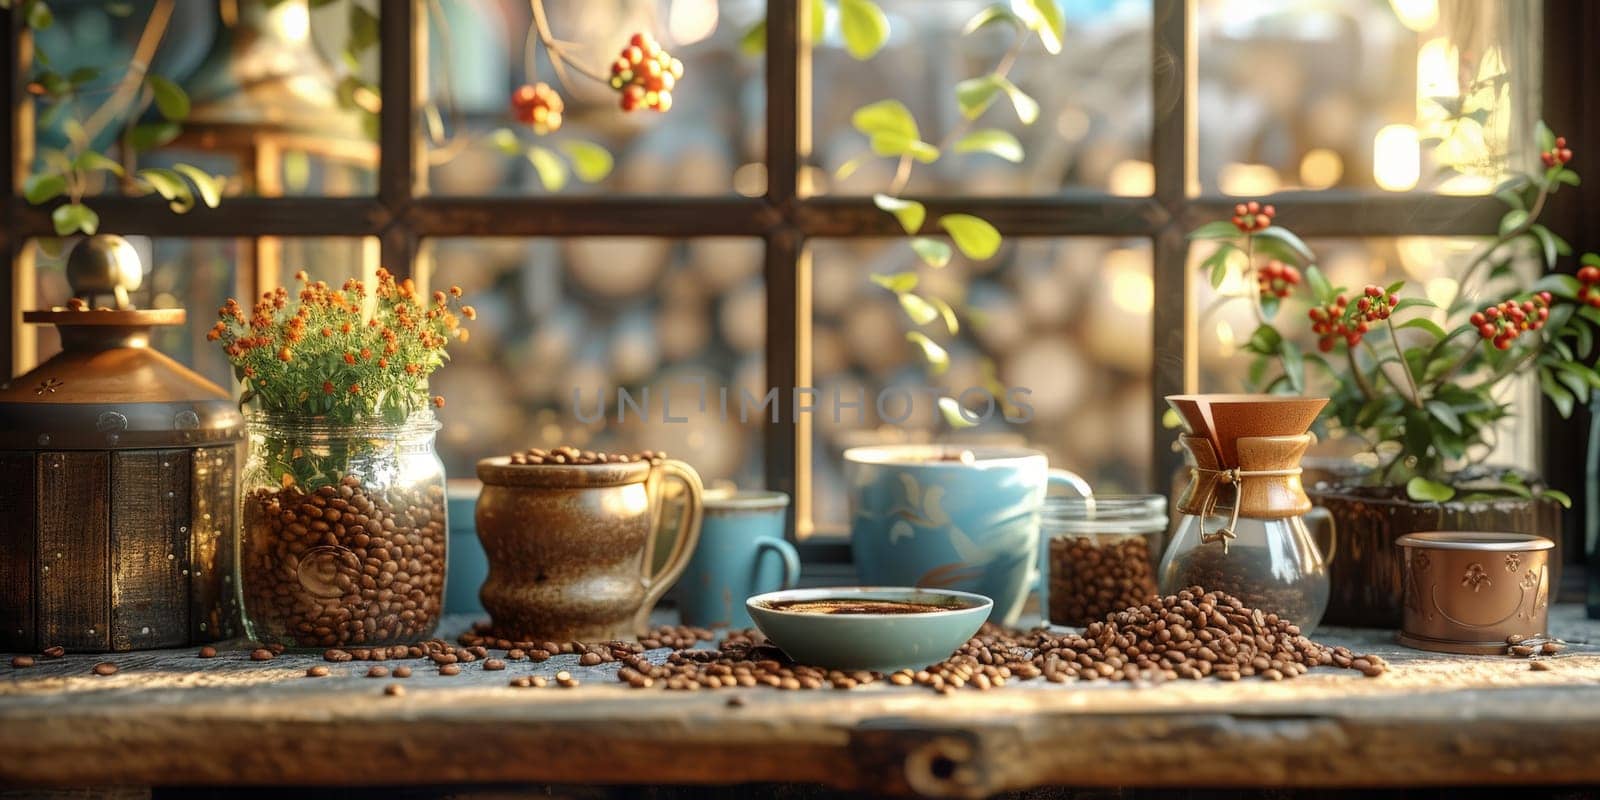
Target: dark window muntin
(785, 218)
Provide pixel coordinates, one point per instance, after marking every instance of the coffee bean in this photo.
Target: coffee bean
(378, 672)
(21, 662)
(208, 652)
(261, 654)
(565, 680)
(449, 669)
(494, 664)
(105, 668)
(1515, 638)
(336, 655)
(1541, 665)
(394, 690)
(318, 671)
(1551, 648)
(55, 651)
(589, 659)
(1520, 650)
(402, 672)
(736, 701)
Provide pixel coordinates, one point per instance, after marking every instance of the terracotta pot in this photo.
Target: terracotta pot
(1467, 592)
(571, 547)
(1366, 574)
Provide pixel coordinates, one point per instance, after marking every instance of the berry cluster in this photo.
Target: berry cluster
(1277, 279)
(645, 74)
(538, 105)
(1558, 154)
(1502, 324)
(1252, 216)
(1341, 321)
(1588, 294)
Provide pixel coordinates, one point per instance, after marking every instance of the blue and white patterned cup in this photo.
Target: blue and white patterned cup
(948, 517)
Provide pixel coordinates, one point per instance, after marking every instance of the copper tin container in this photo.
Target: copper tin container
(1466, 592)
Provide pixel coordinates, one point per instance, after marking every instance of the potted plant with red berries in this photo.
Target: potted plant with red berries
(1417, 386)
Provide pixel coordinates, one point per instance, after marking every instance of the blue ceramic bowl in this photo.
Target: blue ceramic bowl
(876, 642)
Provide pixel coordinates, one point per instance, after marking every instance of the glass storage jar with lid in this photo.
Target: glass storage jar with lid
(1099, 554)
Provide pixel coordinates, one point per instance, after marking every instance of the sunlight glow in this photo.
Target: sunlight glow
(1396, 158)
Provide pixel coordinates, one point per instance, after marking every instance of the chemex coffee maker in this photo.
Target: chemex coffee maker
(1242, 529)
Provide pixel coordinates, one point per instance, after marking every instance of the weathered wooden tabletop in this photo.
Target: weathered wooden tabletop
(171, 718)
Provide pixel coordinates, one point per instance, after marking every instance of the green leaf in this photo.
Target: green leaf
(363, 32)
(74, 217)
(951, 324)
(590, 162)
(992, 141)
(43, 187)
(119, 9)
(1543, 135)
(1553, 245)
(974, 95)
(1294, 367)
(90, 161)
(83, 75)
(505, 140)
(1445, 415)
(1264, 340)
(552, 170)
(150, 135)
(171, 100)
(933, 252)
(910, 213)
(40, 17)
(988, 16)
(1285, 236)
(864, 27)
(754, 40)
(938, 360)
(169, 184)
(1219, 271)
(847, 169)
(1221, 229)
(1320, 288)
(1044, 18)
(1423, 323)
(1513, 483)
(1557, 284)
(893, 144)
(1413, 302)
(974, 237)
(897, 282)
(1423, 490)
(919, 310)
(1512, 197)
(885, 116)
(1027, 108)
(951, 411)
(1557, 496)
(1512, 220)
(1558, 394)
(209, 186)
(819, 18)
(1568, 177)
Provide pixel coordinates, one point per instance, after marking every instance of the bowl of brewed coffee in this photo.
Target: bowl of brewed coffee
(882, 629)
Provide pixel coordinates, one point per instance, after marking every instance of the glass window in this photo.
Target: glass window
(567, 324)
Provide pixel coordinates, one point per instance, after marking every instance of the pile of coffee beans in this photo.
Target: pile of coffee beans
(1248, 574)
(1532, 646)
(1091, 577)
(343, 564)
(677, 637)
(567, 454)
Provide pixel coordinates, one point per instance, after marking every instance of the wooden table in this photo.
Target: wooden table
(171, 718)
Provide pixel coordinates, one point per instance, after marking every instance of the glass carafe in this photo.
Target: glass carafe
(1270, 564)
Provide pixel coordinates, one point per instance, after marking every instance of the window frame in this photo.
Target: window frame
(785, 218)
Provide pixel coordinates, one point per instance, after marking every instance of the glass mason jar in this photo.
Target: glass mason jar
(1100, 555)
(343, 531)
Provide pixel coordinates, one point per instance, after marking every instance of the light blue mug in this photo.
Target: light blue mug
(950, 517)
(741, 553)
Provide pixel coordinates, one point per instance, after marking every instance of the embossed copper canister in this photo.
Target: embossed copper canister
(1466, 592)
(117, 480)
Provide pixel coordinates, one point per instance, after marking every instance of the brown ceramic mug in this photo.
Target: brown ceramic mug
(571, 547)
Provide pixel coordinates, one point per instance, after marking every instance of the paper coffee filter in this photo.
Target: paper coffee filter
(1225, 418)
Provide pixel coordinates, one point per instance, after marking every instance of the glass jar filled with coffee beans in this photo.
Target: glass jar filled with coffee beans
(1100, 555)
(343, 531)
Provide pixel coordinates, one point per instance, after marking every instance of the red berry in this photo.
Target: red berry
(1486, 331)
(1492, 312)
(1477, 319)
(1561, 141)
(637, 40)
(1544, 314)
(1549, 159)
(1593, 301)
(1342, 301)
(1373, 291)
(1544, 297)
(1565, 155)
(523, 96)
(1589, 274)
(1269, 211)
(1252, 207)
(1503, 344)
(1240, 210)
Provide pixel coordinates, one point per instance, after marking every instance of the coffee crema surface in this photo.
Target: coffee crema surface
(859, 606)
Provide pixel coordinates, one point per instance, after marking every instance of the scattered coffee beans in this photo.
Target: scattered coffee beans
(261, 654)
(317, 671)
(208, 652)
(567, 454)
(21, 662)
(1092, 577)
(105, 668)
(394, 690)
(1528, 646)
(344, 564)
(55, 651)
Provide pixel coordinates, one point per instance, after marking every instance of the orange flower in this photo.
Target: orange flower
(383, 363)
(349, 358)
(327, 387)
(469, 312)
(366, 352)
(463, 334)
(438, 402)
(411, 369)
(390, 349)
(327, 331)
(250, 372)
(283, 355)
(438, 297)
(455, 291)
(345, 328)
(302, 276)
(355, 388)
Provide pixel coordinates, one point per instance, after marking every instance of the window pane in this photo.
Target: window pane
(1366, 95)
(274, 105)
(1093, 128)
(590, 316)
(1067, 321)
(708, 143)
(1431, 265)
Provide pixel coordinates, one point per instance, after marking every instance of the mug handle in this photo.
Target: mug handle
(657, 584)
(786, 551)
(1324, 515)
(1069, 479)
